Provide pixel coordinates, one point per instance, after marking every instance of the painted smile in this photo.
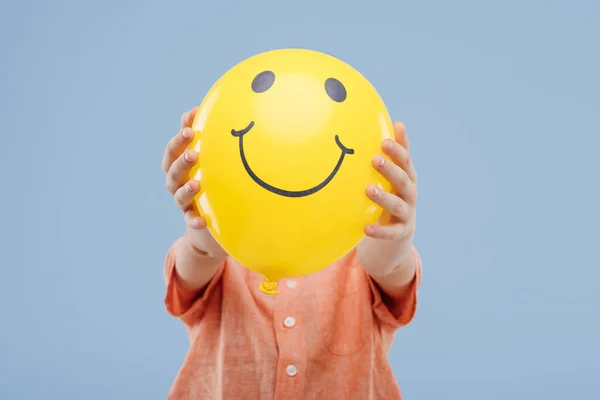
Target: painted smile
(282, 192)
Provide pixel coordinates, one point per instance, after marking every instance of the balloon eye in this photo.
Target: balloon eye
(335, 90)
(263, 81)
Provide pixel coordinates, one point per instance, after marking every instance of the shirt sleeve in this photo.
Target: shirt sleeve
(397, 313)
(187, 305)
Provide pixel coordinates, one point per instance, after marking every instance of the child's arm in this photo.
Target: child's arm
(388, 254)
(198, 257)
(393, 279)
(194, 263)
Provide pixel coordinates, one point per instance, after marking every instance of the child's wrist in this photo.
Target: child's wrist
(208, 249)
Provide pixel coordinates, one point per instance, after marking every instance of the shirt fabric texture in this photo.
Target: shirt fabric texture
(323, 337)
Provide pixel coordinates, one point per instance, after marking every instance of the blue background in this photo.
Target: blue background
(501, 101)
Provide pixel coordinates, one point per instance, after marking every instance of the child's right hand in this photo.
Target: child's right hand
(176, 164)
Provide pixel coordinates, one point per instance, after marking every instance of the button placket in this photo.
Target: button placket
(289, 334)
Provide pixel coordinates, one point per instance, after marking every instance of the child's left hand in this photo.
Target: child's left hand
(398, 221)
(390, 242)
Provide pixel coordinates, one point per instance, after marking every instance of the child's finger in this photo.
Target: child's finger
(194, 221)
(188, 117)
(184, 196)
(400, 156)
(175, 147)
(386, 232)
(180, 169)
(400, 134)
(399, 179)
(389, 202)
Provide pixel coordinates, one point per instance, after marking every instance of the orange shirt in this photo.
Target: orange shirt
(323, 337)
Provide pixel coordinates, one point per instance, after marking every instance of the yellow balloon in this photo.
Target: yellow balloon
(285, 141)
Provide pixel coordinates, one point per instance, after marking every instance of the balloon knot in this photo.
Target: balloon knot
(268, 286)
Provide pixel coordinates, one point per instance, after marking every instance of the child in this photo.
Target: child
(326, 335)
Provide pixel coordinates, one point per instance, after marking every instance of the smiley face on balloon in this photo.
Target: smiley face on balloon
(261, 83)
(285, 141)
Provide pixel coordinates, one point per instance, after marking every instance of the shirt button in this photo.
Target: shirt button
(289, 322)
(291, 284)
(291, 370)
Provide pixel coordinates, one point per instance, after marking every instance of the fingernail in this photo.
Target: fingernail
(381, 161)
(388, 143)
(189, 187)
(185, 134)
(370, 230)
(374, 192)
(186, 156)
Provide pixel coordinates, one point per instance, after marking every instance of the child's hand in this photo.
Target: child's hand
(177, 162)
(398, 222)
(386, 251)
